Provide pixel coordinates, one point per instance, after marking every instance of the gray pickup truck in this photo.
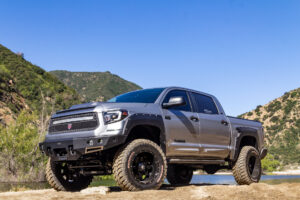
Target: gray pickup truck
(145, 136)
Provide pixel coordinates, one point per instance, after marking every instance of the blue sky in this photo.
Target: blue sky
(244, 52)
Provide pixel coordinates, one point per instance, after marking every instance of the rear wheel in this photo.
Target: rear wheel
(247, 168)
(61, 178)
(179, 174)
(141, 165)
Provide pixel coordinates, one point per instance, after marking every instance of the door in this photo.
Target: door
(181, 126)
(214, 129)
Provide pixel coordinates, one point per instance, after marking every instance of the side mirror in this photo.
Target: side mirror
(174, 101)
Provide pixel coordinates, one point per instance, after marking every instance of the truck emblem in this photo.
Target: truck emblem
(69, 126)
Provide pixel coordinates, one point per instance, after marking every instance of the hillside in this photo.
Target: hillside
(27, 86)
(95, 86)
(281, 121)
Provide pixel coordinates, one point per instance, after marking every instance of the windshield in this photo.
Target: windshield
(140, 96)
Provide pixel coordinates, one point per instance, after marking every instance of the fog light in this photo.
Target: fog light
(90, 142)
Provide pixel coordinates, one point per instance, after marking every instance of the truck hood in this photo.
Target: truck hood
(104, 106)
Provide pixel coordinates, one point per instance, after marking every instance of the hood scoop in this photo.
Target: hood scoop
(80, 107)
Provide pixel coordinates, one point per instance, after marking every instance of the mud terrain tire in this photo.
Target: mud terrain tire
(59, 179)
(179, 174)
(247, 168)
(141, 165)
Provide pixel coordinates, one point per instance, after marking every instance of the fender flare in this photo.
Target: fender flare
(244, 132)
(139, 119)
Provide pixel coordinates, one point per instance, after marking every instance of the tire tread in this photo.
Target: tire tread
(239, 169)
(120, 164)
(58, 186)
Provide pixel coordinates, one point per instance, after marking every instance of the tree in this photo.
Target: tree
(19, 154)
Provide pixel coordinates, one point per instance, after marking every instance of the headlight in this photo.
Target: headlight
(114, 116)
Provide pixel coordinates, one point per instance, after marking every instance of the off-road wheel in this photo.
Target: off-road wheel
(61, 178)
(179, 174)
(141, 165)
(247, 168)
(211, 169)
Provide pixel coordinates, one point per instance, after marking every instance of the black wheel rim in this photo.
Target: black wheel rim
(65, 174)
(144, 167)
(253, 166)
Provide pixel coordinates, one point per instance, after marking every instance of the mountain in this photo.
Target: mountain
(27, 86)
(281, 121)
(95, 86)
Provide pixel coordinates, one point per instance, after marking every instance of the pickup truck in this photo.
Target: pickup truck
(146, 136)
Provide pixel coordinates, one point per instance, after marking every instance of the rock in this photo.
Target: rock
(95, 190)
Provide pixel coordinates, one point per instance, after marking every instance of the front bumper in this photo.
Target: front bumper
(74, 148)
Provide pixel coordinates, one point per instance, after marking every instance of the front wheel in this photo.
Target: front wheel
(140, 165)
(247, 168)
(61, 178)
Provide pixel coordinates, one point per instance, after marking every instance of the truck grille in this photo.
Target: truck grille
(72, 123)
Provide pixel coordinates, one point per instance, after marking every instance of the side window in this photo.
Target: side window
(205, 104)
(176, 93)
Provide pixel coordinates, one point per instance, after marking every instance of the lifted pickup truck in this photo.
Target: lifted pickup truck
(145, 136)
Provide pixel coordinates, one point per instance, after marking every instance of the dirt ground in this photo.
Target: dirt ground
(211, 192)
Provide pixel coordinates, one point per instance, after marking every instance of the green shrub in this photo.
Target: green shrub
(265, 117)
(273, 107)
(274, 119)
(269, 163)
(257, 110)
(289, 106)
(293, 94)
(285, 96)
(20, 158)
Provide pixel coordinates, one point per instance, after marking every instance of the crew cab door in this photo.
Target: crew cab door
(214, 127)
(181, 125)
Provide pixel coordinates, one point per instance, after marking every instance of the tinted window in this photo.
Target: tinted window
(179, 93)
(140, 96)
(205, 104)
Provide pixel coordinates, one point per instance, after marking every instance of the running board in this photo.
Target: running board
(195, 161)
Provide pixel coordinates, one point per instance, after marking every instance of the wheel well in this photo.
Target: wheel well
(144, 132)
(248, 141)
(245, 141)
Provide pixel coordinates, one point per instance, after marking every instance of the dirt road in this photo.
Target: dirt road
(211, 192)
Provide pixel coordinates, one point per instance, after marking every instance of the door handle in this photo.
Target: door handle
(195, 119)
(224, 122)
(181, 141)
(168, 117)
